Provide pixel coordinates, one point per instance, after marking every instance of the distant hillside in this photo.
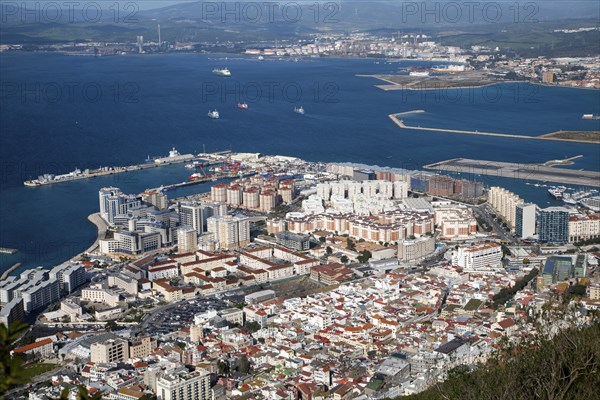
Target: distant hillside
(566, 367)
(251, 21)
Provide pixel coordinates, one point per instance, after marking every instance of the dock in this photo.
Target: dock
(536, 172)
(548, 136)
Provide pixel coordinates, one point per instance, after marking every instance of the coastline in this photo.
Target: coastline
(101, 228)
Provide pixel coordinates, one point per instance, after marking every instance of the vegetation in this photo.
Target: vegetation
(506, 294)
(565, 367)
(252, 326)
(13, 372)
(588, 242)
(364, 256)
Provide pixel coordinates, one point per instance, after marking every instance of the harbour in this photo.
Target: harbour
(536, 172)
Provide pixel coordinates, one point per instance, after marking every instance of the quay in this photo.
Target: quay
(549, 136)
(6, 273)
(536, 172)
(206, 159)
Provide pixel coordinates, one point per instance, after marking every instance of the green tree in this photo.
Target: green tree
(322, 239)
(223, 367)
(344, 259)
(252, 326)
(111, 325)
(11, 368)
(328, 250)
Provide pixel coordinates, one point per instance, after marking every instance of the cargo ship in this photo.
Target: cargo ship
(221, 72)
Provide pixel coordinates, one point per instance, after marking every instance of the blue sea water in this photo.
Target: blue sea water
(59, 112)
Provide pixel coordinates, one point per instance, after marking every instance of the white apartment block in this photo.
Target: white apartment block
(187, 240)
(184, 386)
(70, 276)
(505, 203)
(412, 250)
(230, 231)
(111, 350)
(124, 282)
(478, 258)
(584, 227)
(100, 295)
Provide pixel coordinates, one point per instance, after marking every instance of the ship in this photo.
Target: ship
(557, 192)
(221, 72)
(196, 176)
(418, 73)
(299, 110)
(590, 116)
(242, 106)
(213, 114)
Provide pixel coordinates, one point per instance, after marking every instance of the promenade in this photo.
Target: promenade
(101, 226)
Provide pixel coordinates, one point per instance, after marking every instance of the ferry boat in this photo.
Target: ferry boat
(221, 72)
(213, 114)
(242, 106)
(557, 192)
(299, 110)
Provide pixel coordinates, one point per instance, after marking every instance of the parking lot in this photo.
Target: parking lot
(171, 318)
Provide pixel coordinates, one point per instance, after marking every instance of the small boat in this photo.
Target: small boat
(299, 110)
(213, 114)
(242, 106)
(260, 58)
(222, 72)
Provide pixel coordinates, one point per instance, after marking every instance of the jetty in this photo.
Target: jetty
(549, 136)
(6, 273)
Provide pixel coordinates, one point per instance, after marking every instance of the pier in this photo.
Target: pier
(548, 136)
(6, 273)
(518, 171)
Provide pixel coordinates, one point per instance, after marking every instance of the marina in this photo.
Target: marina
(534, 172)
(549, 136)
